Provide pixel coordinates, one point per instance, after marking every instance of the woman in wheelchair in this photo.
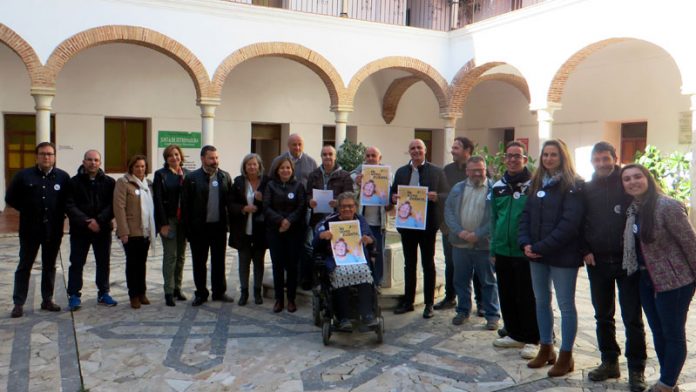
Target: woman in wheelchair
(344, 276)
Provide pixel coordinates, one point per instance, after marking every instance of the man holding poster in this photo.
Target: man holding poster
(419, 173)
(340, 240)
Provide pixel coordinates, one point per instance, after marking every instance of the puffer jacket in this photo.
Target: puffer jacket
(551, 222)
(284, 200)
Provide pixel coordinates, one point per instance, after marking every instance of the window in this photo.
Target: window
(329, 135)
(123, 138)
(20, 142)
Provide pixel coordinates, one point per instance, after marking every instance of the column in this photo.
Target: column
(43, 97)
(545, 119)
(344, 8)
(208, 106)
(454, 15)
(692, 170)
(448, 137)
(341, 125)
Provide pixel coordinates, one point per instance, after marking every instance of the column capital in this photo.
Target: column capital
(342, 117)
(39, 90)
(342, 108)
(43, 97)
(546, 112)
(208, 106)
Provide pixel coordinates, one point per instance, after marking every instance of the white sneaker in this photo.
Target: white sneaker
(507, 342)
(529, 351)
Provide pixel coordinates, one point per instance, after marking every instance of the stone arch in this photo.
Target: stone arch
(561, 77)
(464, 81)
(26, 53)
(303, 55)
(419, 69)
(132, 35)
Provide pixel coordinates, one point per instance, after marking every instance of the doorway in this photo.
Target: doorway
(265, 141)
(633, 139)
(20, 142)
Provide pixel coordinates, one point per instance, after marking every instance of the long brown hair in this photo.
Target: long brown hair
(647, 202)
(567, 169)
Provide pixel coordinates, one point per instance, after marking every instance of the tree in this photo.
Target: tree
(350, 155)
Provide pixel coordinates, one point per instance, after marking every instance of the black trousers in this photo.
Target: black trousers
(213, 238)
(411, 240)
(286, 251)
(136, 262)
(604, 277)
(28, 249)
(342, 299)
(247, 254)
(516, 295)
(450, 293)
(79, 249)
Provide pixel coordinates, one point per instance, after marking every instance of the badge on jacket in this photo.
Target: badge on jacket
(291, 195)
(56, 187)
(541, 194)
(617, 209)
(215, 183)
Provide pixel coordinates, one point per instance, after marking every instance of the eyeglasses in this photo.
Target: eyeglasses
(514, 156)
(346, 206)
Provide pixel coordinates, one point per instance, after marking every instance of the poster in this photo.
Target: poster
(322, 198)
(345, 242)
(190, 143)
(375, 185)
(411, 208)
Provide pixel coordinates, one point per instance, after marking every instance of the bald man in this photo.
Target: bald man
(304, 164)
(375, 215)
(419, 172)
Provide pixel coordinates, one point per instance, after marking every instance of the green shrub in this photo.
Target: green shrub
(671, 171)
(350, 155)
(495, 163)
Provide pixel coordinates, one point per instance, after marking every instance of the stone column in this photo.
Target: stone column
(208, 106)
(454, 15)
(43, 97)
(545, 119)
(344, 8)
(341, 125)
(448, 136)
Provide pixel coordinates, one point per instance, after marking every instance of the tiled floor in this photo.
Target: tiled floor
(225, 347)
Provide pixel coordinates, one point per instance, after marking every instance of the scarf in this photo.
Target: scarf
(630, 258)
(147, 210)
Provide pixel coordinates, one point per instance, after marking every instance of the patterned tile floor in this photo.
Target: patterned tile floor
(225, 347)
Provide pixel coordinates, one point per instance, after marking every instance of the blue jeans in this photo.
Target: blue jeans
(564, 280)
(666, 313)
(466, 262)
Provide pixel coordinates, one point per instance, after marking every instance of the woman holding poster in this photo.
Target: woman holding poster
(331, 242)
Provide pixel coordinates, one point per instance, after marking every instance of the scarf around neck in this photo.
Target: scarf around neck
(630, 257)
(147, 209)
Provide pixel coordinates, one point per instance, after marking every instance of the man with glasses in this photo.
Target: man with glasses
(39, 193)
(517, 304)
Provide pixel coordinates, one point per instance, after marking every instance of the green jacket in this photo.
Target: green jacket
(508, 200)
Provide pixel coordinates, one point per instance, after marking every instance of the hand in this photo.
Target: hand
(472, 238)
(284, 226)
(432, 196)
(589, 259)
(395, 198)
(258, 196)
(312, 203)
(463, 234)
(325, 235)
(366, 239)
(164, 231)
(93, 225)
(332, 203)
(124, 239)
(249, 209)
(528, 252)
(358, 179)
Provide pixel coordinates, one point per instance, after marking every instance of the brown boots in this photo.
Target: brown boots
(545, 356)
(563, 365)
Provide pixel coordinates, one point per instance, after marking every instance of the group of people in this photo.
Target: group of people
(513, 239)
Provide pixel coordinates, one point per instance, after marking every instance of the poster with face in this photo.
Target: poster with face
(411, 208)
(374, 190)
(345, 242)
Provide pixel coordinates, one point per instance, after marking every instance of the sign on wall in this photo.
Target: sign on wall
(685, 127)
(190, 143)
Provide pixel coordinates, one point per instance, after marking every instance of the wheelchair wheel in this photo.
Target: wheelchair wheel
(380, 330)
(316, 310)
(326, 332)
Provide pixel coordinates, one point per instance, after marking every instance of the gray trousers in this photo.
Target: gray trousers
(173, 256)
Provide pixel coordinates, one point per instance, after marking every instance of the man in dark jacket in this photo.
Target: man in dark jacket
(420, 173)
(605, 205)
(39, 194)
(204, 210)
(90, 209)
(328, 177)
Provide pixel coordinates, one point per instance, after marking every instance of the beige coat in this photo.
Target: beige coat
(127, 207)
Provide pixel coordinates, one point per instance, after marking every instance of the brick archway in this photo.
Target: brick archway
(131, 35)
(303, 55)
(419, 69)
(559, 80)
(26, 53)
(464, 81)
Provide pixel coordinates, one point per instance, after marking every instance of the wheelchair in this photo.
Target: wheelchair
(323, 305)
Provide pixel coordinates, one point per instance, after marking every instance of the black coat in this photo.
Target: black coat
(238, 219)
(434, 178)
(552, 223)
(284, 200)
(40, 200)
(90, 199)
(194, 201)
(605, 216)
(166, 190)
